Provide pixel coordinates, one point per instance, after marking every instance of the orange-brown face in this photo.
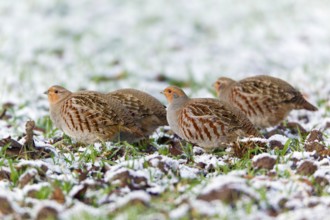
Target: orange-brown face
(56, 93)
(173, 92)
(221, 84)
(217, 87)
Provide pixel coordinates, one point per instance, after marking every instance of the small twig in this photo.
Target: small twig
(29, 143)
(3, 113)
(5, 107)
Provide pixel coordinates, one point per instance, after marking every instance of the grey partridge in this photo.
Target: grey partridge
(206, 122)
(148, 112)
(265, 100)
(89, 116)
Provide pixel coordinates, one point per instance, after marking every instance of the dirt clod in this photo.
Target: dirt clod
(276, 144)
(47, 213)
(322, 181)
(58, 195)
(4, 175)
(306, 168)
(133, 182)
(26, 178)
(5, 206)
(313, 141)
(265, 162)
(227, 194)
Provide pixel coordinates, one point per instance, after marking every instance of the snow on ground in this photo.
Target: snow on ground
(105, 45)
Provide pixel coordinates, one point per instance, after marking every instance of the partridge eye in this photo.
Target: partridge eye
(169, 91)
(56, 91)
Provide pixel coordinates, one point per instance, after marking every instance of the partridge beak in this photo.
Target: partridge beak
(46, 92)
(162, 92)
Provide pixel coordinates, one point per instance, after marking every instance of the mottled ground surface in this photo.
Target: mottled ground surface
(104, 45)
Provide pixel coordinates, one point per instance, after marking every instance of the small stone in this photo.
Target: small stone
(47, 213)
(312, 204)
(282, 202)
(322, 181)
(5, 206)
(133, 182)
(158, 163)
(4, 175)
(32, 193)
(226, 194)
(210, 168)
(201, 165)
(315, 135)
(276, 144)
(327, 126)
(296, 128)
(58, 195)
(265, 162)
(175, 148)
(26, 178)
(313, 141)
(198, 151)
(306, 168)
(314, 146)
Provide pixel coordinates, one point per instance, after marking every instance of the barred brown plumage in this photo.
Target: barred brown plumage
(209, 123)
(146, 109)
(89, 116)
(265, 100)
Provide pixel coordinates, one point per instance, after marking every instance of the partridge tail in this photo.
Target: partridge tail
(308, 106)
(301, 103)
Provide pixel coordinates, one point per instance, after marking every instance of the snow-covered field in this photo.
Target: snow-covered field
(104, 45)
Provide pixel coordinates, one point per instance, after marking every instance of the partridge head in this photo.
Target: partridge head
(56, 94)
(222, 84)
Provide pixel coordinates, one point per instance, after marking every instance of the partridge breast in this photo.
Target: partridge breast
(209, 123)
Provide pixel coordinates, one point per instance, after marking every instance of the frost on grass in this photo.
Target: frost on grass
(82, 45)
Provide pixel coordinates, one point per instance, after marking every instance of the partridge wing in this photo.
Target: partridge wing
(133, 104)
(267, 86)
(92, 113)
(207, 119)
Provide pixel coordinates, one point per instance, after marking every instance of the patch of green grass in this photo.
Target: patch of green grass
(89, 155)
(164, 150)
(46, 124)
(69, 158)
(66, 186)
(3, 150)
(223, 169)
(44, 192)
(188, 151)
(282, 152)
(295, 145)
(14, 173)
